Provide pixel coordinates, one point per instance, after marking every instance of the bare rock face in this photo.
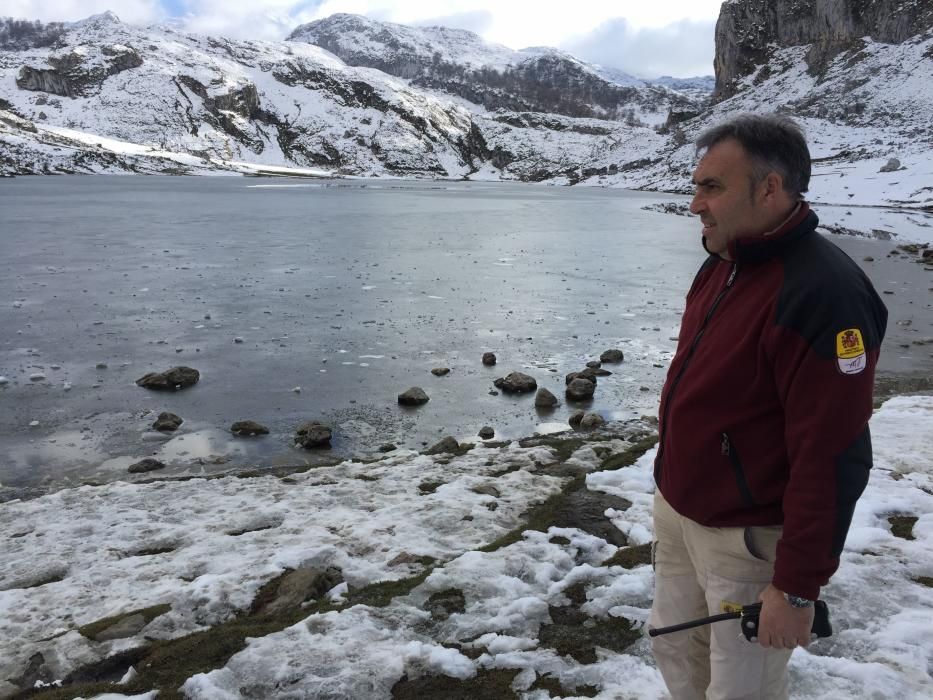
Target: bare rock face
(72, 75)
(413, 397)
(248, 428)
(170, 380)
(516, 383)
(313, 434)
(580, 389)
(746, 30)
(167, 422)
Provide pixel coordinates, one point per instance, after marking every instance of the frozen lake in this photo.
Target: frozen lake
(352, 291)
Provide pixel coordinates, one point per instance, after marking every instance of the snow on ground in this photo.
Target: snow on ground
(95, 539)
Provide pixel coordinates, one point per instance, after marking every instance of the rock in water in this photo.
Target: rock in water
(170, 380)
(613, 355)
(545, 399)
(516, 383)
(580, 389)
(486, 432)
(575, 418)
(248, 428)
(413, 397)
(489, 359)
(440, 371)
(145, 465)
(313, 434)
(167, 422)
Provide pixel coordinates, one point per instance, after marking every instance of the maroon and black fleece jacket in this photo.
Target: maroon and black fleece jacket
(764, 414)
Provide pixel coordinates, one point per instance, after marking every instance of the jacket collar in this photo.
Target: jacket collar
(759, 248)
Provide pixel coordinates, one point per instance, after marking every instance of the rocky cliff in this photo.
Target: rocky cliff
(749, 32)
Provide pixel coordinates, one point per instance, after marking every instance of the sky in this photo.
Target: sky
(645, 39)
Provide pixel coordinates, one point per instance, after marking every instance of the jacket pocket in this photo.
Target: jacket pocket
(728, 450)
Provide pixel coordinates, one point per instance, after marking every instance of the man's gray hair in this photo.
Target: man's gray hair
(774, 143)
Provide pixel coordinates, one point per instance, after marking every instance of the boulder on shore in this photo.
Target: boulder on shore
(413, 397)
(440, 371)
(313, 434)
(167, 422)
(575, 419)
(248, 428)
(591, 421)
(448, 444)
(516, 383)
(489, 358)
(170, 380)
(148, 464)
(486, 432)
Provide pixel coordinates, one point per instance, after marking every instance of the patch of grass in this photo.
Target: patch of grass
(488, 684)
(149, 614)
(903, 526)
(631, 454)
(925, 581)
(381, 593)
(555, 689)
(630, 557)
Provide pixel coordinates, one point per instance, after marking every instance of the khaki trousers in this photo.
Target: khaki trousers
(697, 568)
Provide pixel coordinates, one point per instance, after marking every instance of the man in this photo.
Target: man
(764, 444)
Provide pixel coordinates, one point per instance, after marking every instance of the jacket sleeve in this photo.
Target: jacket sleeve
(824, 349)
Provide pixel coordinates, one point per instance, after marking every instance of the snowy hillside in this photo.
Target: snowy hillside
(461, 63)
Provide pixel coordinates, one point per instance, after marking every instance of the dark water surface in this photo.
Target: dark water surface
(350, 291)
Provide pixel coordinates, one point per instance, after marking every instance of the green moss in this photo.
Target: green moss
(630, 557)
(149, 614)
(925, 581)
(487, 684)
(903, 526)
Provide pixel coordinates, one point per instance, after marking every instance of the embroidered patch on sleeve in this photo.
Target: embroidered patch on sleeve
(850, 351)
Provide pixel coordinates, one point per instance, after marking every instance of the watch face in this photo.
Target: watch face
(798, 602)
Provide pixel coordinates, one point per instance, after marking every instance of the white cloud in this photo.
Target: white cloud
(132, 11)
(647, 52)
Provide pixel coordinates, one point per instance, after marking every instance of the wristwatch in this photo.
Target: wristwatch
(797, 601)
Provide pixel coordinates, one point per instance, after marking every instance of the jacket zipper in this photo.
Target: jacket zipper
(728, 450)
(693, 346)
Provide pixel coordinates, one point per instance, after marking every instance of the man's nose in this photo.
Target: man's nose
(696, 204)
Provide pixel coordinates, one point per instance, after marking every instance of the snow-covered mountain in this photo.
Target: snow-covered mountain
(461, 63)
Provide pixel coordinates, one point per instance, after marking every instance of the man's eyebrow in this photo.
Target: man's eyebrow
(706, 181)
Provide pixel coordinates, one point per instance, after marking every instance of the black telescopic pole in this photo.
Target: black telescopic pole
(654, 632)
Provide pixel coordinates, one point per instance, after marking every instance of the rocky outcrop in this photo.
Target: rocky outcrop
(748, 30)
(78, 73)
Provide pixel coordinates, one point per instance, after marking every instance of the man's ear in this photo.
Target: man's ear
(773, 186)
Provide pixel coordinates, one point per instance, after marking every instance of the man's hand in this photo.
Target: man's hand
(780, 624)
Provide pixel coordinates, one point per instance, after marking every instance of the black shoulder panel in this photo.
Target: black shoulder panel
(825, 292)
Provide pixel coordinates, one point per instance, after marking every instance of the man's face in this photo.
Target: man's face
(725, 200)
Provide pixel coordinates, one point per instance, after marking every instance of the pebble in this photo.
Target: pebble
(34, 424)
(238, 340)
(101, 365)
(67, 386)
(297, 389)
(4, 380)
(36, 377)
